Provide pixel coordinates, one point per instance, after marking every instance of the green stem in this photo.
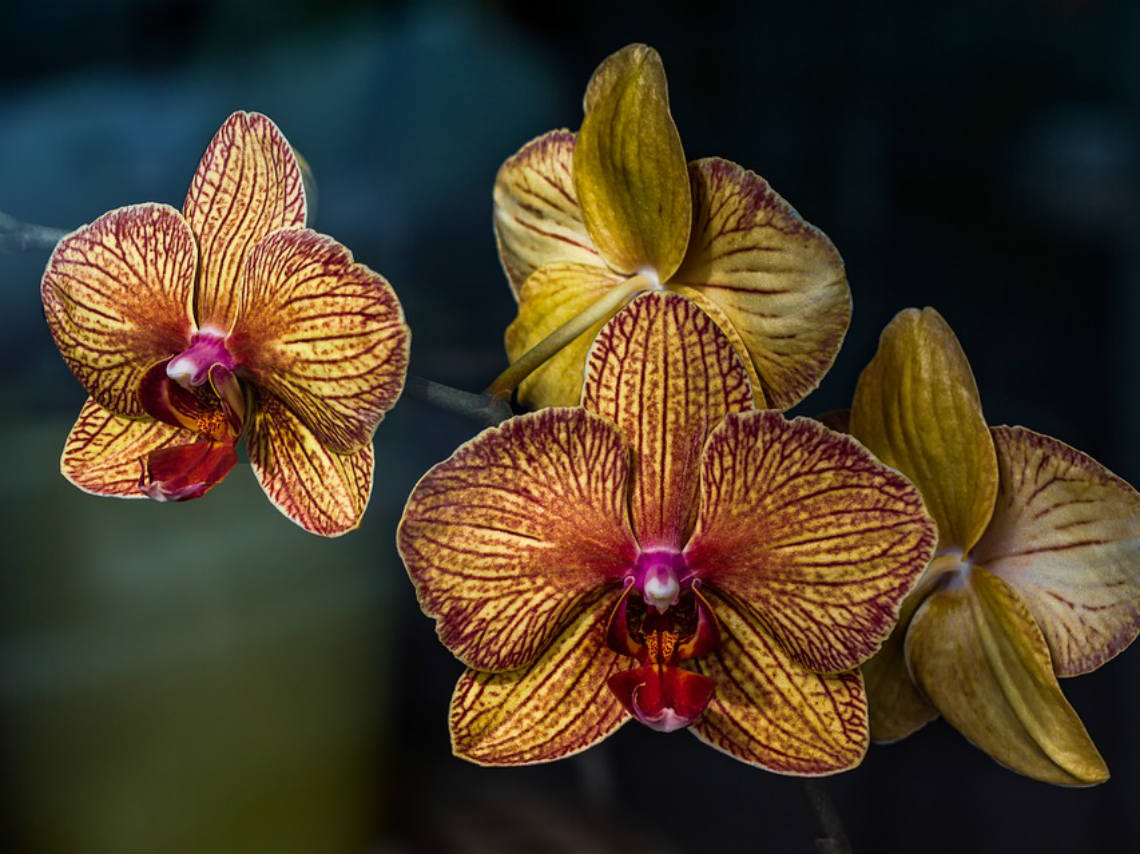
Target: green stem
(833, 839)
(481, 407)
(16, 236)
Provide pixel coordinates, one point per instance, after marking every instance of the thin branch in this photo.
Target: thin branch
(481, 407)
(833, 838)
(16, 236)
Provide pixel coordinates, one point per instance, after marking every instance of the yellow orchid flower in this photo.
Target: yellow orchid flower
(663, 552)
(1036, 575)
(584, 221)
(191, 330)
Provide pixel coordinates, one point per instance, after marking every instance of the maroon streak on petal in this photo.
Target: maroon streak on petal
(187, 471)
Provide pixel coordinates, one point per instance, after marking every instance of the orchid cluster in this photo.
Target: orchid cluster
(656, 541)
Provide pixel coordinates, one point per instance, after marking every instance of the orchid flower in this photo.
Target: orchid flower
(585, 221)
(1036, 573)
(663, 552)
(191, 330)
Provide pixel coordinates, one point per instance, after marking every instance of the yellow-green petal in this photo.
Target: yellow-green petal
(979, 657)
(629, 167)
(917, 408)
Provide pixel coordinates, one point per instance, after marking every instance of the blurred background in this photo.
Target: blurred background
(208, 677)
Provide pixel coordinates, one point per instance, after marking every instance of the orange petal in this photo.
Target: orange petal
(549, 298)
(504, 539)
(805, 526)
(324, 334)
(629, 168)
(1066, 535)
(917, 408)
(537, 218)
(105, 453)
(247, 185)
(322, 491)
(556, 707)
(977, 654)
(117, 294)
(666, 375)
(779, 280)
(769, 711)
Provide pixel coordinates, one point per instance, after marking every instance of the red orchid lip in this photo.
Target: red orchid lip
(186, 471)
(662, 697)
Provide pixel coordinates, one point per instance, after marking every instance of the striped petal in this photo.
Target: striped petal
(664, 373)
(117, 295)
(537, 218)
(556, 707)
(778, 280)
(322, 333)
(549, 298)
(917, 408)
(1066, 535)
(324, 492)
(105, 453)
(248, 184)
(805, 526)
(769, 711)
(976, 652)
(629, 168)
(505, 538)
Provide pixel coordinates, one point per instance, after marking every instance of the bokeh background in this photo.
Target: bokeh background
(208, 677)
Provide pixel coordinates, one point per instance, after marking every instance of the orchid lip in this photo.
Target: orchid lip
(192, 366)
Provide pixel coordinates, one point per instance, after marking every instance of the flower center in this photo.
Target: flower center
(192, 366)
(659, 576)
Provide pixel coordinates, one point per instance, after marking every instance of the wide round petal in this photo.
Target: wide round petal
(322, 491)
(324, 334)
(118, 295)
(556, 707)
(769, 711)
(248, 184)
(537, 218)
(504, 539)
(779, 281)
(548, 299)
(1066, 535)
(664, 373)
(917, 408)
(629, 167)
(806, 527)
(104, 453)
(978, 655)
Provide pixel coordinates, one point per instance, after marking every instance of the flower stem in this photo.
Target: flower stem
(16, 236)
(604, 308)
(832, 838)
(481, 407)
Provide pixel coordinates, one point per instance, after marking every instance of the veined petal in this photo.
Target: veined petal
(806, 527)
(248, 184)
(322, 333)
(556, 707)
(118, 295)
(322, 491)
(104, 452)
(548, 299)
(504, 538)
(537, 218)
(917, 408)
(978, 655)
(769, 711)
(629, 167)
(666, 375)
(1066, 535)
(779, 280)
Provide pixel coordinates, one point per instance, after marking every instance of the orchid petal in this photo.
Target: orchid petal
(104, 452)
(769, 711)
(248, 184)
(537, 218)
(917, 408)
(322, 333)
(664, 373)
(805, 526)
(322, 491)
(779, 280)
(629, 168)
(897, 707)
(976, 652)
(1066, 535)
(548, 299)
(504, 538)
(556, 707)
(118, 294)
